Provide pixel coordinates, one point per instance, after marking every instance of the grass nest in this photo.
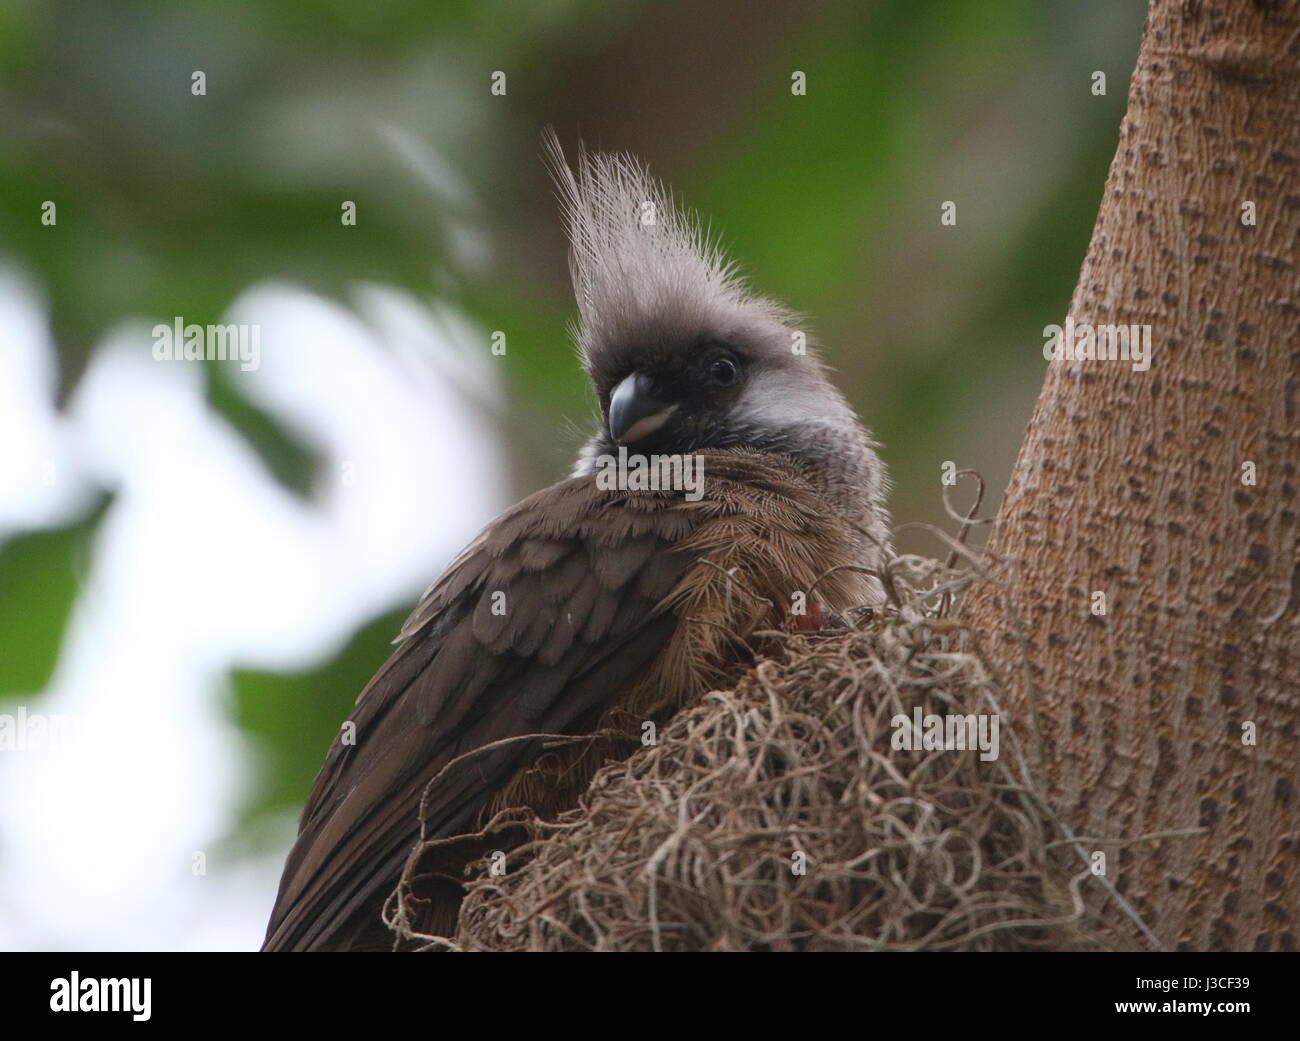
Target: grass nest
(785, 815)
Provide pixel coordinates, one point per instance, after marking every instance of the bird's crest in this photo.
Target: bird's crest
(638, 260)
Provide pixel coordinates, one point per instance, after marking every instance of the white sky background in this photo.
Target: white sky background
(204, 562)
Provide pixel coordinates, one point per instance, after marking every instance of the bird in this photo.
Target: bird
(609, 598)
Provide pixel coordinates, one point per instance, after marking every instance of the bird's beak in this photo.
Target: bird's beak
(634, 411)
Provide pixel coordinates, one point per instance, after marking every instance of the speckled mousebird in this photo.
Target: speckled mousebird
(586, 607)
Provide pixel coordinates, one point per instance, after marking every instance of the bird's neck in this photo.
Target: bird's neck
(836, 456)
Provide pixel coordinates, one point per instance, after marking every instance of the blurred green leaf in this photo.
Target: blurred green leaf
(40, 576)
(291, 719)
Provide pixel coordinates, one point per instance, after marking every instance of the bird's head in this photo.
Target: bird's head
(694, 379)
(682, 355)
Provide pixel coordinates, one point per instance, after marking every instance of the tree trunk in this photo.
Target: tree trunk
(1138, 485)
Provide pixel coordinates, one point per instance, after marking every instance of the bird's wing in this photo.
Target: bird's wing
(555, 606)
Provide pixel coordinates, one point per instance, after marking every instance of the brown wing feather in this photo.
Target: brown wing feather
(464, 677)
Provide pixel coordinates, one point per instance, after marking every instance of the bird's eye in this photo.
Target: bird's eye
(723, 370)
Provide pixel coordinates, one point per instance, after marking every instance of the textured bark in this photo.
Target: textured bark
(1131, 483)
